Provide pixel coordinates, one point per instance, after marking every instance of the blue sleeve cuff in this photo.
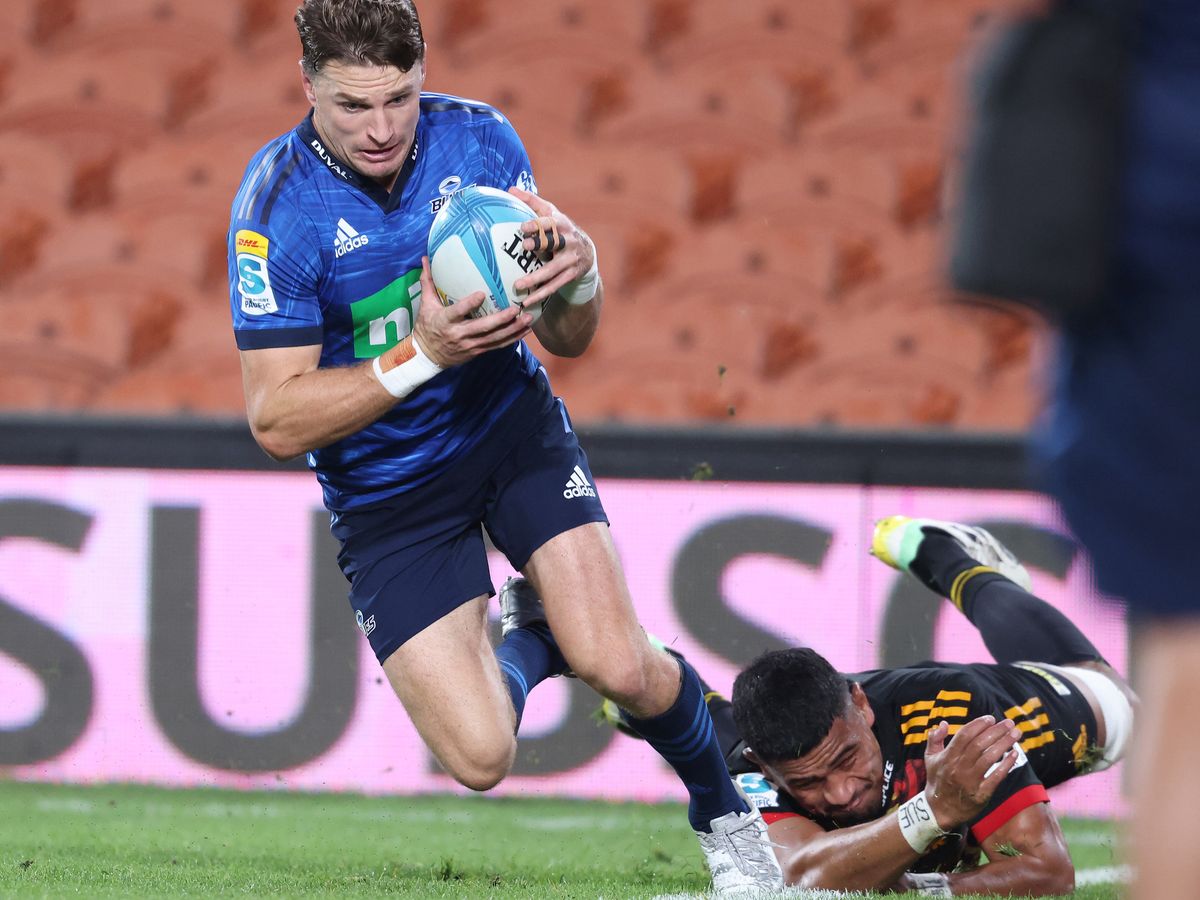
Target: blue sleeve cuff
(270, 338)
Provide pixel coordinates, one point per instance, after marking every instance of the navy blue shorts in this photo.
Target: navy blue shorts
(414, 558)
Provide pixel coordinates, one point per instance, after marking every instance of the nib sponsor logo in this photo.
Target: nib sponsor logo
(347, 239)
(578, 486)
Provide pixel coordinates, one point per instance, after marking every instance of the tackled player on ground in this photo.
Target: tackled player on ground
(903, 778)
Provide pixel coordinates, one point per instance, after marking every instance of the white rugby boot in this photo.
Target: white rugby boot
(897, 540)
(740, 855)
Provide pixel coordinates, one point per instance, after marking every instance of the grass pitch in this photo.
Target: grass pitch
(125, 841)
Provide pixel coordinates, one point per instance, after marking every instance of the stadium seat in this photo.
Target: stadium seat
(91, 131)
(130, 26)
(201, 174)
(613, 184)
(753, 37)
(258, 119)
(90, 79)
(34, 174)
(475, 33)
(196, 373)
(188, 242)
(702, 114)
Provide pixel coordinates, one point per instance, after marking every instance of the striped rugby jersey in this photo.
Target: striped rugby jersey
(1058, 738)
(320, 255)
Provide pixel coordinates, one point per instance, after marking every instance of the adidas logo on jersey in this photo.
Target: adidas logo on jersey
(347, 239)
(579, 486)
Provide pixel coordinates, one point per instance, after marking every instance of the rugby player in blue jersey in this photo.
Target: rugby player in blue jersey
(425, 425)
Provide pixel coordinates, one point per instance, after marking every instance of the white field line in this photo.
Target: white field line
(1091, 839)
(1104, 875)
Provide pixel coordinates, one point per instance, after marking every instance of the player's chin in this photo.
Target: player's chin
(375, 167)
(856, 814)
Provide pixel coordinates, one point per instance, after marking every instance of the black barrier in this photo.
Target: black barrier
(927, 459)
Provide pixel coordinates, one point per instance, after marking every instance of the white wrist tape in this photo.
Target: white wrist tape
(917, 823)
(402, 380)
(583, 288)
(930, 884)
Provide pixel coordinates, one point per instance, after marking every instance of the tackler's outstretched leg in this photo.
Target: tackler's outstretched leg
(981, 577)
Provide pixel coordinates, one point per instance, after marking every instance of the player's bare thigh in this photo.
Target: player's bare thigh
(581, 582)
(450, 684)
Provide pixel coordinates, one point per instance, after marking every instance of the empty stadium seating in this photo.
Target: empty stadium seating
(764, 179)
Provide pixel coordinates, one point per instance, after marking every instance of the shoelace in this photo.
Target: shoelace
(751, 850)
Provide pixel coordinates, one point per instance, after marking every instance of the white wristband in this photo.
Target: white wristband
(402, 380)
(583, 288)
(917, 823)
(930, 884)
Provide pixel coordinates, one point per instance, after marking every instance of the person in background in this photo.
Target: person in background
(1081, 197)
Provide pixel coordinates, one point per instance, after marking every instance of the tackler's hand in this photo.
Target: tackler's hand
(961, 776)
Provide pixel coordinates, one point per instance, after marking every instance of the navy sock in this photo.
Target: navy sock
(685, 737)
(527, 657)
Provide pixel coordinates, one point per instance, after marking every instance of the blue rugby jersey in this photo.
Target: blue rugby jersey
(320, 255)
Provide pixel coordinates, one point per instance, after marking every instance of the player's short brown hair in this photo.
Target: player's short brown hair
(362, 32)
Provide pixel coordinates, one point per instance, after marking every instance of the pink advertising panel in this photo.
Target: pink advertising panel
(158, 626)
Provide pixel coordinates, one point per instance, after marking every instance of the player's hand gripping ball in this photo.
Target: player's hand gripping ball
(475, 244)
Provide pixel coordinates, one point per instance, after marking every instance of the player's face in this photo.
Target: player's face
(842, 777)
(367, 115)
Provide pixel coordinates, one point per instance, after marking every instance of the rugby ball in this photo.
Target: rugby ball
(475, 244)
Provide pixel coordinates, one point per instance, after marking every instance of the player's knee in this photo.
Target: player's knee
(483, 766)
(621, 680)
(481, 779)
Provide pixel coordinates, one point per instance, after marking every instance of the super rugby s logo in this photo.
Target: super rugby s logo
(347, 239)
(578, 486)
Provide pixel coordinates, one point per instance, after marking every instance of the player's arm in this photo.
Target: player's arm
(294, 406)
(861, 858)
(569, 279)
(962, 776)
(1027, 857)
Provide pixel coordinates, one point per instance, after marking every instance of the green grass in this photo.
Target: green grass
(127, 841)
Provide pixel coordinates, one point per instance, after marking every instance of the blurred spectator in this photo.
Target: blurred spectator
(1117, 446)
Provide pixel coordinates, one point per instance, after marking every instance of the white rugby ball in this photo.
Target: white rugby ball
(475, 244)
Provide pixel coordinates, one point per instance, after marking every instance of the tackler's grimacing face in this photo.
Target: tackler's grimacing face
(367, 114)
(841, 778)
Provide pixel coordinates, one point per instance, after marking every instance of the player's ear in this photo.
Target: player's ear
(859, 698)
(306, 80)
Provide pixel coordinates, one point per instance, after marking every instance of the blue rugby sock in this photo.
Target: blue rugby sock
(527, 657)
(684, 736)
